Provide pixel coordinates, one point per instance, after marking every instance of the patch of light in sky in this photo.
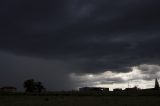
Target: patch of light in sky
(131, 79)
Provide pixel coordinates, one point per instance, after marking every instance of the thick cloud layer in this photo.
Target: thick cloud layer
(90, 36)
(97, 35)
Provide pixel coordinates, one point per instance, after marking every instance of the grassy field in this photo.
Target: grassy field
(79, 101)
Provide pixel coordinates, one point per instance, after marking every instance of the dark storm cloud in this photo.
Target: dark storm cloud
(16, 69)
(149, 72)
(91, 36)
(149, 69)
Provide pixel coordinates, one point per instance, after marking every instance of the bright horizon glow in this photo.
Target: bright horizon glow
(112, 80)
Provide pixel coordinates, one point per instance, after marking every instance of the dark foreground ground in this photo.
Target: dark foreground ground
(53, 100)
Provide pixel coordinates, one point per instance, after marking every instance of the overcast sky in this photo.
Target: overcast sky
(67, 44)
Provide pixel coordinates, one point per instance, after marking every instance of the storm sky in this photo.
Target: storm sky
(67, 44)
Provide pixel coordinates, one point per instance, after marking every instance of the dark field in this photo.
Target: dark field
(14, 100)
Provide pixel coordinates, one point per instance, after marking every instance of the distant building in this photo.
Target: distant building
(88, 89)
(148, 89)
(132, 89)
(156, 87)
(117, 90)
(8, 89)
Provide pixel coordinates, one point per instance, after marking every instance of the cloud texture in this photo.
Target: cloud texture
(89, 36)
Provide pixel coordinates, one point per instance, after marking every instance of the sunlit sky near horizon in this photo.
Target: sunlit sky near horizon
(113, 80)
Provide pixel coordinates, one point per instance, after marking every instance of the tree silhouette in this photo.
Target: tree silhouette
(39, 87)
(32, 86)
(29, 85)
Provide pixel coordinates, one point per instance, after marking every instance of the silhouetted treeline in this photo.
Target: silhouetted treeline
(31, 86)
